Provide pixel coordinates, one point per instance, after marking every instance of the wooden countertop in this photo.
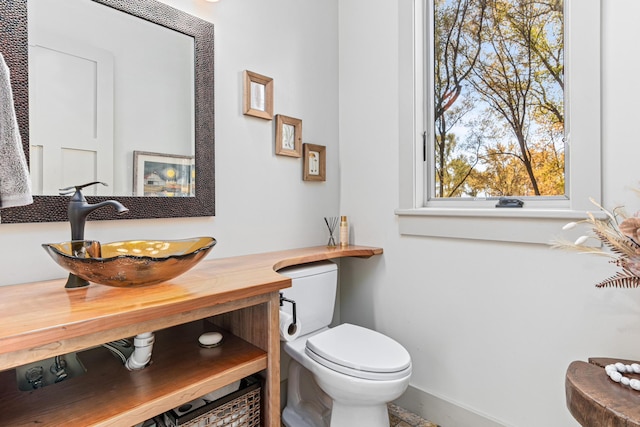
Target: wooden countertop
(596, 401)
(44, 319)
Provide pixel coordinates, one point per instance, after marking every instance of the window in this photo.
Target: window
(559, 122)
(496, 120)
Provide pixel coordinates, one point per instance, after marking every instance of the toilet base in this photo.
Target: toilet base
(341, 416)
(309, 406)
(349, 416)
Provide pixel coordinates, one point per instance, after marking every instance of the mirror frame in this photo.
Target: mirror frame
(14, 46)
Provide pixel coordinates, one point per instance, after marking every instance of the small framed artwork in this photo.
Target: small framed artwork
(315, 163)
(258, 95)
(163, 175)
(288, 136)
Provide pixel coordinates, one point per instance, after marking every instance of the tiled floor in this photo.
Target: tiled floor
(399, 417)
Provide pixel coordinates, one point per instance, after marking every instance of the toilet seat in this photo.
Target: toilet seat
(359, 352)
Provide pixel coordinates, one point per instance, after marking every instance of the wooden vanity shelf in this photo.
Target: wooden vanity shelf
(239, 295)
(109, 394)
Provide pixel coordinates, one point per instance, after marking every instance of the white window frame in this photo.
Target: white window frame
(539, 221)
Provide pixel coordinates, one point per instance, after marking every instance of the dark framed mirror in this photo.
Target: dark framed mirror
(47, 208)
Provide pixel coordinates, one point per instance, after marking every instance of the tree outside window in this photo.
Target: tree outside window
(498, 98)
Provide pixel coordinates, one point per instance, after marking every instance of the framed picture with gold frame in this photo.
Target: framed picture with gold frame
(315, 162)
(288, 136)
(257, 95)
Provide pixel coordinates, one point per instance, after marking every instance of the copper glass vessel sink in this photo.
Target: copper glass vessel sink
(129, 263)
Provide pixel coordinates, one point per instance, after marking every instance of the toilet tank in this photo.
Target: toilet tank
(313, 288)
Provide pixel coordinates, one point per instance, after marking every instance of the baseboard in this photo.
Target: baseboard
(442, 412)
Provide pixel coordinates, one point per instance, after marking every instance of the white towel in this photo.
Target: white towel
(15, 185)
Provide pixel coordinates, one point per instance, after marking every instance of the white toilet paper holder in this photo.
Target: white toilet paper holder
(293, 305)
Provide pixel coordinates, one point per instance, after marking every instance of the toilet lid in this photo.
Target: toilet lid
(360, 352)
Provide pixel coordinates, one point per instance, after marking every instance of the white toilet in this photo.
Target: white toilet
(342, 376)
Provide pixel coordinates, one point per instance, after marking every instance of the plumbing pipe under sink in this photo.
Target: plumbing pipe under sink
(49, 371)
(134, 357)
(141, 356)
(36, 375)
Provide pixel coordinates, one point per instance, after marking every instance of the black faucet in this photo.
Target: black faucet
(78, 211)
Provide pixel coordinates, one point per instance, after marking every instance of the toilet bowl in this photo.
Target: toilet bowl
(358, 384)
(342, 376)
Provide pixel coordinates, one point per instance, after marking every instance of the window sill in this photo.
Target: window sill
(518, 225)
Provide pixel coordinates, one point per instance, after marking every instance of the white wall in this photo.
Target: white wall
(262, 204)
(491, 327)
